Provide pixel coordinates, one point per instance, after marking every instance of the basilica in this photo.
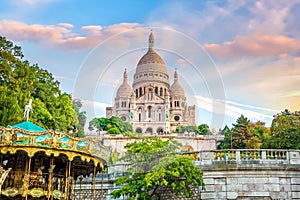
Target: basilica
(151, 105)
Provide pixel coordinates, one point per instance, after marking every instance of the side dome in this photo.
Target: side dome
(176, 89)
(125, 90)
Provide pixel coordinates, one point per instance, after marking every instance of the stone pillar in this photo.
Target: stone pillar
(263, 155)
(238, 156)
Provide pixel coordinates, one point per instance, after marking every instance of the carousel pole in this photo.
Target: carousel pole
(68, 172)
(50, 179)
(26, 181)
(73, 185)
(94, 181)
(80, 188)
(102, 171)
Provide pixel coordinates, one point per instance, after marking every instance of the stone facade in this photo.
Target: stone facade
(190, 143)
(151, 105)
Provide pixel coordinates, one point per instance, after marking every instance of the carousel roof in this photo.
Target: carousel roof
(32, 138)
(29, 126)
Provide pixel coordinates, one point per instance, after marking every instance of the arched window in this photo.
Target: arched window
(149, 112)
(149, 130)
(141, 91)
(140, 114)
(136, 93)
(150, 95)
(161, 92)
(160, 130)
(159, 114)
(156, 90)
(138, 130)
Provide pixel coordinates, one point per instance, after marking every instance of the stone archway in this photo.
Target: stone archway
(187, 148)
(159, 130)
(149, 130)
(139, 130)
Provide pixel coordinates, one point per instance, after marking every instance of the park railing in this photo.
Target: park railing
(240, 156)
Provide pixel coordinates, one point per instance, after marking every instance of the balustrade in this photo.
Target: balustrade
(247, 155)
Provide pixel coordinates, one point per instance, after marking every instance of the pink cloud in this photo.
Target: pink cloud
(256, 46)
(62, 35)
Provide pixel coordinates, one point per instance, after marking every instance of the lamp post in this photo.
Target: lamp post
(230, 140)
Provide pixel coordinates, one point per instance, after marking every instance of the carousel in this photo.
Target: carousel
(43, 164)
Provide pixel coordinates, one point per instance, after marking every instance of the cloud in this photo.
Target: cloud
(234, 109)
(256, 46)
(32, 2)
(62, 35)
(293, 93)
(95, 104)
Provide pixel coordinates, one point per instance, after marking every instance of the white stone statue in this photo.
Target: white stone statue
(27, 110)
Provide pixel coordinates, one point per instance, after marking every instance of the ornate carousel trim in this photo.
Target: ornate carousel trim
(39, 155)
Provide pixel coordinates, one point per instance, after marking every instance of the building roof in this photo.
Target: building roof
(29, 126)
(125, 89)
(151, 57)
(176, 88)
(151, 61)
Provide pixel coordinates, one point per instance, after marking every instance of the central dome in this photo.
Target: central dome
(151, 61)
(151, 67)
(151, 57)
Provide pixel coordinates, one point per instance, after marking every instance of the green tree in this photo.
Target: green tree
(245, 134)
(180, 129)
(189, 129)
(79, 117)
(203, 129)
(21, 81)
(259, 133)
(285, 131)
(227, 142)
(240, 133)
(154, 164)
(113, 125)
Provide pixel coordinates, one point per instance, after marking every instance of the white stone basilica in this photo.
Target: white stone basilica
(151, 105)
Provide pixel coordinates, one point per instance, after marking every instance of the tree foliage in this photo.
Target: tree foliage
(21, 81)
(240, 133)
(79, 117)
(202, 129)
(113, 125)
(245, 135)
(154, 164)
(285, 131)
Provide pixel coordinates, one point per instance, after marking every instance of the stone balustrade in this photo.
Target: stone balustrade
(244, 156)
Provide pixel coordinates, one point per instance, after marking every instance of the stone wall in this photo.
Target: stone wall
(197, 142)
(260, 184)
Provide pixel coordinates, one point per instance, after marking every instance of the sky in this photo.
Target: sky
(233, 57)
